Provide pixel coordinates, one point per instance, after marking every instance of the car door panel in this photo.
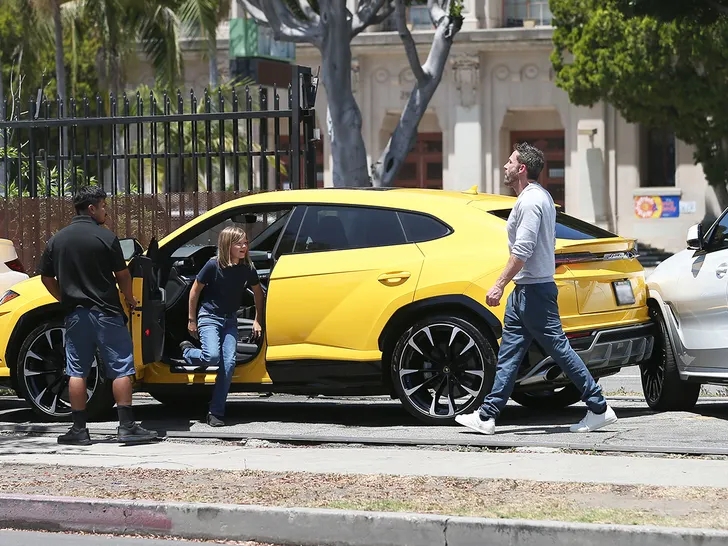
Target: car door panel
(336, 302)
(147, 322)
(701, 306)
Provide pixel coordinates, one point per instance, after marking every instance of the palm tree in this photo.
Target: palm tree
(201, 18)
(125, 25)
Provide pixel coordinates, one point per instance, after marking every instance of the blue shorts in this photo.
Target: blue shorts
(87, 331)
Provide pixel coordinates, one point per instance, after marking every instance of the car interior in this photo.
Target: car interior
(186, 261)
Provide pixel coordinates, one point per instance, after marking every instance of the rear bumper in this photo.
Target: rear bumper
(603, 351)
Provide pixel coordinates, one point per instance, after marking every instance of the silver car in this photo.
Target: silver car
(689, 301)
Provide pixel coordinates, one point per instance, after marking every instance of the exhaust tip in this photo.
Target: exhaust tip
(553, 373)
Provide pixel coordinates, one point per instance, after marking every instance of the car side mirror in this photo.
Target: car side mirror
(695, 237)
(131, 247)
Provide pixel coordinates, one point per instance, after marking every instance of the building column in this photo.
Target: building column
(470, 14)
(466, 162)
(493, 14)
(590, 185)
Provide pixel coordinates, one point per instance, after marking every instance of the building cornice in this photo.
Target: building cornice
(497, 39)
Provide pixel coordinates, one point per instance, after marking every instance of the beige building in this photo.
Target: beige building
(499, 89)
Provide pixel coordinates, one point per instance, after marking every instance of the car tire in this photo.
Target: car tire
(552, 399)
(661, 383)
(438, 356)
(42, 380)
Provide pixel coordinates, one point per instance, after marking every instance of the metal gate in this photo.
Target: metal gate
(162, 159)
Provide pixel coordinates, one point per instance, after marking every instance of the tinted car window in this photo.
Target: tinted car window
(419, 227)
(285, 245)
(719, 235)
(568, 227)
(339, 228)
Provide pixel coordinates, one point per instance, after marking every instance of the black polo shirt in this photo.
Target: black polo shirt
(83, 256)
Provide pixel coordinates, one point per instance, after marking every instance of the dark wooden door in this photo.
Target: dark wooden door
(423, 166)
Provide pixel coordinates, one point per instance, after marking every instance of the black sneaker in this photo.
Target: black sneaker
(214, 421)
(186, 345)
(135, 433)
(75, 437)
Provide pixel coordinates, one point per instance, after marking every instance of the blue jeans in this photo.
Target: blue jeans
(219, 338)
(87, 331)
(532, 313)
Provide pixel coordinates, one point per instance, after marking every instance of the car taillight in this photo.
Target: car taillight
(575, 258)
(16, 265)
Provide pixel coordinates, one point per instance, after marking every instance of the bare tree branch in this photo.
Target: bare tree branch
(370, 12)
(309, 12)
(408, 41)
(437, 12)
(255, 12)
(285, 26)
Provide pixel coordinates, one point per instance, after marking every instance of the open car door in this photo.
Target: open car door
(147, 321)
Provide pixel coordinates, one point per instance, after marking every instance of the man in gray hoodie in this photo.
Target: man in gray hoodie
(532, 311)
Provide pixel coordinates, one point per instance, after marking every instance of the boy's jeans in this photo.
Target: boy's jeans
(532, 313)
(219, 337)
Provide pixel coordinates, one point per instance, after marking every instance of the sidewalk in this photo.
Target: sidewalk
(322, 496)
(549, 466)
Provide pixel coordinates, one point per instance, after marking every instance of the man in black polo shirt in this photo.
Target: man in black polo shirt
(81, 267)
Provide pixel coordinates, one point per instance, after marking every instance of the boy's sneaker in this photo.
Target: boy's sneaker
(594, 421)
(214, 421)
(186, 345)
(75, 437)
(474, 422)
(134, 433)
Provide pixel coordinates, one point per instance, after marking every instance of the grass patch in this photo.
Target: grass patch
(575, 502)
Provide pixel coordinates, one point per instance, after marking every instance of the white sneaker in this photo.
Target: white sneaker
(474, 422)
(593, 421)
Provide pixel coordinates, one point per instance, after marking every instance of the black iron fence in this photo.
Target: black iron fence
(162, 159)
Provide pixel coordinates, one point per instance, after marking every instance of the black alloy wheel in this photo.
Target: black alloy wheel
(661, 383)
(42, 379)
(443, 366)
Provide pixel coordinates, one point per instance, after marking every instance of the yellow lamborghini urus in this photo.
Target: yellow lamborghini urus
(367, 292)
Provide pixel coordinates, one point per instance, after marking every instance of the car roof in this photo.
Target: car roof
(444, 204)
(406, 198)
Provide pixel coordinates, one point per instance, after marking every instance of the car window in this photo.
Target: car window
(288, 239)
(419, 228)
(568, 227)
(719, 235)
(328, 227)
(262, 229)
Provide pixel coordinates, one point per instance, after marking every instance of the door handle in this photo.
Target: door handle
(722, 270)
(394, 279)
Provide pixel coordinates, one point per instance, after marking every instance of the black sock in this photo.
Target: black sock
(79, 419)
(126, 415)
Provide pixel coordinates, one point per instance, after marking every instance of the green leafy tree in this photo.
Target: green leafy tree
(671, 10)
(657, 72)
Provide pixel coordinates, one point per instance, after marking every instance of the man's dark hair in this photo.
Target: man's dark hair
(86, 196)
(531, 157)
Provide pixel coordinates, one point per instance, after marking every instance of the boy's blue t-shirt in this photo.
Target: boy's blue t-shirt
(224, 287)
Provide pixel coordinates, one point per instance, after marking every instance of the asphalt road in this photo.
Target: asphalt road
(354, 420)
(31, 538)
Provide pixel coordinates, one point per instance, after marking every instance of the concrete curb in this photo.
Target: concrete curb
(318, 527)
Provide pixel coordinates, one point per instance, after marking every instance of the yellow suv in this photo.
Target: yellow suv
(367, 292)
